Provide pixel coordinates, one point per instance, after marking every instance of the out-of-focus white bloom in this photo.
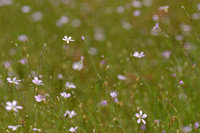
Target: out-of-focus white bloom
(40, 98)
(65, 95)
(136, 13)
(36, 129)
(37, 81)
(121, 77)
(155, 17)
(126, 25)
(179, 37)
(186, 129)
(60, 76)
(5, 2)
(103, 103)
(13, 81)
(23, 61)
(67, 39)
(195, 16)
(113, 94)
(164, 8)
(36, 16)
(120, 9)
(63, 20)
(166, 54)
(138, 55)
(14, 128)
(70, 85)
(70, 114)
(141, 117)
(12, 106)
(22, 38)
(78, 65)
(26, 9)
(147, 2)
(136, 4)
(73, 130)
(92, 51)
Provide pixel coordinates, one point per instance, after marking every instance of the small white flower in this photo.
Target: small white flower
(139, 55)
(36, 129)
(37, 81)
(13, 106)
(156, 28)
(121, 77)
(73, 130)
(70, 114)
(141, 117)
(165, 8)
(14, 128)
(65, 95)
(67, 39)
(113, 94)
(13, 81)
(70, 85)
(78, 65)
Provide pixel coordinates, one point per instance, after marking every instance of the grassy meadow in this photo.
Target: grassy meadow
(100, 66)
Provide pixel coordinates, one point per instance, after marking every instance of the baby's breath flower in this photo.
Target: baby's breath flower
(78, 65)
(12, 106)
(13, 81)
(37, 81)
(65, 95)
(141, 117)
(139, 55)
(70, 114)
(67, 39)
(40, 98)
(73, 130)
(14, 128)
(70, 85)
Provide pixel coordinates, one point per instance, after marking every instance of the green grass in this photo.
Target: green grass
(149, 87)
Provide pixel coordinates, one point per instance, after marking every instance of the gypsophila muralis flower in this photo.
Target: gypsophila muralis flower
(65, 95)
(40, 98)
(73, 130)
(12, 106)
(13, 81)
(70, 85)
(37, 81)
(78, 65)
(14, 128)
(67, 39)
(141, 117)
(70, 114)
(114, 94)
(138, 55)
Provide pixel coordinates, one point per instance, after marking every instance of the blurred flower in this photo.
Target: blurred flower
(136, 13)
(36, 129)
(121, 77)
(37, 81)
(26, 9)
(70, 85)
(195, 16)
(76, 23)
(187, 129)
(36, 16)
(23, 61)
(126, 25)
(63, 20)
(196, 125)
(155, 17)
(73, 130)
(113, 94)
(78, 65)
(14, 128)
(13, 81)
(143, 127)
(166, 54)
(22, 38)
(180, 82)
(13, 106)
(92, 51)
(136, 4)
(40, 98)
(141, 117)
(165, 8)
(65, 95)
(67, 39)
(120, 9)
(138, 55)
(5, 2)
(60, 76)
(103, 103)
(70, 114)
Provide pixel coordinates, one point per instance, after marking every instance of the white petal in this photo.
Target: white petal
(8, 107)
(14, 103)
(141, 112)
(144, 121)
(9, 103)
(144, 116)
(137, 115)
(139, 120)
(19, 107)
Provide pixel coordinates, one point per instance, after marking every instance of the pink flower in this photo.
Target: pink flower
(141, 117)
